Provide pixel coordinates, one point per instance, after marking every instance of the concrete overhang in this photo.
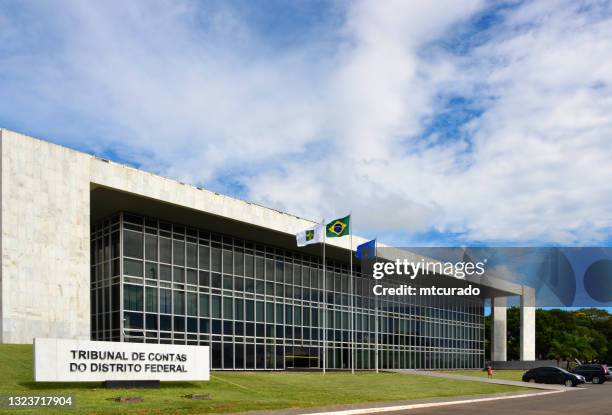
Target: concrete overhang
(116, 187)
(106, 201)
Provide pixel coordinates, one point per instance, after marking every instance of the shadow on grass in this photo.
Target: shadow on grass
(99, 385)
(61, 385)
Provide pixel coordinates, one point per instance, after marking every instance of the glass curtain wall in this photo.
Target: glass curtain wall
(261, 307)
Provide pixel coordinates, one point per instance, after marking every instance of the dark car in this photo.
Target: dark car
(553, 375)
(592, 372)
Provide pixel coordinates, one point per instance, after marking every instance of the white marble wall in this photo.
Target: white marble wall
(45, 240)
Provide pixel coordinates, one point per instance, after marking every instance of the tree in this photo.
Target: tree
(562, 334)
(562, 348)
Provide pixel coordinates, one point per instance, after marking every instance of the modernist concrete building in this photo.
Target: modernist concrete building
(92, 249)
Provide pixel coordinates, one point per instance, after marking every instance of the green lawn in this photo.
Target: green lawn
(232, 391)
(497, 374)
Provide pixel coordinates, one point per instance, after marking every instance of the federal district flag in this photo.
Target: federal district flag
(310, 236)
(338, 227)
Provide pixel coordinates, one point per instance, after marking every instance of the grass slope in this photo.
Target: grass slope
(231, 391)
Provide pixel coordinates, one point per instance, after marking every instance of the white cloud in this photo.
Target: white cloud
(336, 122)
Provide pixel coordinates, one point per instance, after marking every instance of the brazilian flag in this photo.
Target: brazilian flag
(338, 227)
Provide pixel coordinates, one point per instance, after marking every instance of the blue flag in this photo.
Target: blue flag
(366, 250)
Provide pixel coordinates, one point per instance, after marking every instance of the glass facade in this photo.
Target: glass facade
(263, 307)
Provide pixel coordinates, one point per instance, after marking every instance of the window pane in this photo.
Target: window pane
(178, 275)
(239, 283)
(151, 320)
(179, 302)
(192, 325)
(238, 263)
(204, 305)
(165, 273)
(132, 244)
(216, 306)
(132, 297)
(215, 259)
(228, 308)
(165, 323)
(151, 296)
(192, 276)
(259, 268)
(204, 257)
(216, 355)
(151, 247)
(179, 323)
(192, 304)
(239, 314)
(249, 270)
(269, 312)
(215, 280)
(269, 269)
(250, 310)
(297, 312)
(204, 278)
(227, 262)
(239, 353)
(165, 250)
(260, 287)
(116, 296)
(133, 321)
(165, 301)
(249, 285)
(115, 244)
(279, 270)
(192, 255)
(204, 325)
(132, 267)
(279, 313)
(260, 311)
(228, 356)
(178, 253)
(151, 270)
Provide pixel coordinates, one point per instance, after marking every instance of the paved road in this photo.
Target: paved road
(590, 399)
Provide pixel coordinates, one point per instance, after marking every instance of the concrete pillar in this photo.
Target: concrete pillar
(528, 324)
(498, 329)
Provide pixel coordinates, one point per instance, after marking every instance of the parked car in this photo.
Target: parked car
(595, 373)
(553, 375)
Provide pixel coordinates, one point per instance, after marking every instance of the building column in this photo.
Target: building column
(528, 324)
(498, 329)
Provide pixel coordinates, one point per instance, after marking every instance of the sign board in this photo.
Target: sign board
(64, 360)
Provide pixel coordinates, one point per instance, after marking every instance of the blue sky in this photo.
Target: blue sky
(435, 123)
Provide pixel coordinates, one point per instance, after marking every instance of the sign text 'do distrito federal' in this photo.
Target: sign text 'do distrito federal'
(65, 360)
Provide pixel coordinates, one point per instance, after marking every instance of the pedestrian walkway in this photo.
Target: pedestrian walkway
(481, 379)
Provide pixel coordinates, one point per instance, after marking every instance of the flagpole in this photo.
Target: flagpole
(324, 303)
(352, 290)
(376, 311)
